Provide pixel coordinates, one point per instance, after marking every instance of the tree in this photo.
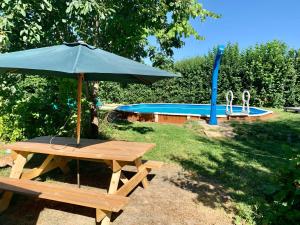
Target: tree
(122, 27)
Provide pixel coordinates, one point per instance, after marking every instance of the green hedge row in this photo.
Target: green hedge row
(271, 72)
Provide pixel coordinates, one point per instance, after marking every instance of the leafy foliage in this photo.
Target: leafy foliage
(284, 197)
(270, 71)
(26, 107)
(123, 27)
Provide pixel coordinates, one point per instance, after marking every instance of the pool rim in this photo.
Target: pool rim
(267, 112)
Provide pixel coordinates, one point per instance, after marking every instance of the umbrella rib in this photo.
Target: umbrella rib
(77, 58)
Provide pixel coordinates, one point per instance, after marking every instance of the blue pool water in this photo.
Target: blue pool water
(186, 109)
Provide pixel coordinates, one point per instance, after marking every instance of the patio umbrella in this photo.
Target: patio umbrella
(81, 61)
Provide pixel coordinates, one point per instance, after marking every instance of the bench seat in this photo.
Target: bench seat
(60, 193)
(148, 164)
(293, 109)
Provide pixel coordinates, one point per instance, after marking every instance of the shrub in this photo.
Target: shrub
(271, 72)
(284, 198)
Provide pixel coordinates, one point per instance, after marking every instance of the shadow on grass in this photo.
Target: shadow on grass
(244, 165)
(124, 125)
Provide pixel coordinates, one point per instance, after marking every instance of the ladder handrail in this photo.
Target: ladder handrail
(229, 102)
(246, 104)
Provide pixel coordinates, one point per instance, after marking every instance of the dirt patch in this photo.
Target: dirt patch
(174, 197)
(223, 130)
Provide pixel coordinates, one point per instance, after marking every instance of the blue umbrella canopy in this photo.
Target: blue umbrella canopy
(69, 60)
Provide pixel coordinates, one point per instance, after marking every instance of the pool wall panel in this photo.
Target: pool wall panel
(180, 119)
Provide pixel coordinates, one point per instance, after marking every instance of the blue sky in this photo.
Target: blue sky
(246, 22)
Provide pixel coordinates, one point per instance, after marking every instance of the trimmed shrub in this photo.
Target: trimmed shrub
(271, 72)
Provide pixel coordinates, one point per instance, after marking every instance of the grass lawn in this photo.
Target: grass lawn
(244, 165)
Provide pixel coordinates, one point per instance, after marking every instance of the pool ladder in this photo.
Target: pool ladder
(246, 105)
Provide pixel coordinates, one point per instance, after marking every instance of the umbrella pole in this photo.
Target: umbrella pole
(79, 93)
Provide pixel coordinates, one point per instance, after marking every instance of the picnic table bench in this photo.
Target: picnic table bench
(293, 109)
(116, 154)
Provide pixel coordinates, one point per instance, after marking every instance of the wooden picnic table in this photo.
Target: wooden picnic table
(293, 109)
(115, 154)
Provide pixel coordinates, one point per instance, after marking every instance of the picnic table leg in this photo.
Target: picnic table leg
(138, 164)
(114, 182)
(50, 163)
(16, 172)
(62, 164)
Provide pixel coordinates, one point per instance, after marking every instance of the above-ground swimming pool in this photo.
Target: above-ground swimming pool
(180, 113)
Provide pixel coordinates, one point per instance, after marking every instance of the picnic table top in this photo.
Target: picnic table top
(88, 149)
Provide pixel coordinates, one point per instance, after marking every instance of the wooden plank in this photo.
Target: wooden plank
(150, 164)
(62, 163)
(14, 155)
(16, 172)
(65, 194)
(123, 179)
(294, 109)
(132, 183)
(50, 163)
(100, 215)
(131, 146)
(39, 170)
(114, 182)
(139, 166)
(89, 148)
(116, 166)
(17, 169)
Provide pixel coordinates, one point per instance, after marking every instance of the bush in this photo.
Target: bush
(35, 106)
(285, 197)
(271, 72)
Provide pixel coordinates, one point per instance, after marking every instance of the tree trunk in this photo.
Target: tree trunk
(94, 86)
(94, 120)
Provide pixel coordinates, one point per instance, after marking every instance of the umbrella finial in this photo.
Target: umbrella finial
(81, 42)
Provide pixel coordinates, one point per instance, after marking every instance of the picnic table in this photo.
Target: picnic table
(115, 154)
(293, 109)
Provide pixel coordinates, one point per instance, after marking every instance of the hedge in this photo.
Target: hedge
(271, 72)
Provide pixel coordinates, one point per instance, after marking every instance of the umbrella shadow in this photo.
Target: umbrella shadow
(124, 125)
(59, 143)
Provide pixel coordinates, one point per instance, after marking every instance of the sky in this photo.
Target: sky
(246, 22)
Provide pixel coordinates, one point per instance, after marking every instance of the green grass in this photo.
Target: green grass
(244, 165)
(4, 171)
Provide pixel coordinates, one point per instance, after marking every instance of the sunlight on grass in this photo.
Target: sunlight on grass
(243, 165)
